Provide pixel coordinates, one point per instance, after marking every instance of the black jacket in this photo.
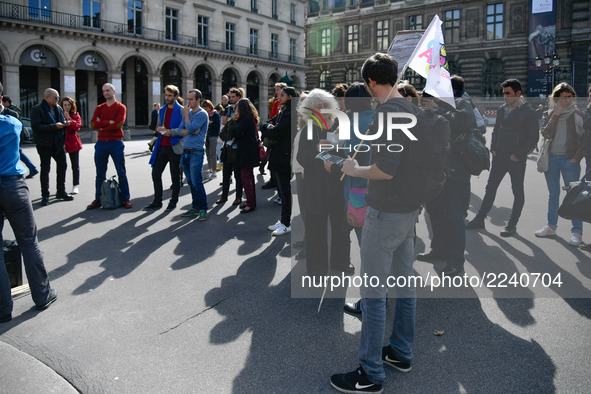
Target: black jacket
(280, 153)
(245, 135)
(43, 123)
(518, 134)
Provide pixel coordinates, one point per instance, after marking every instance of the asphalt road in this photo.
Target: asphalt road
(151, 302)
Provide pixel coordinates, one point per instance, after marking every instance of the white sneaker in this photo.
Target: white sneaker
(212, 175)
(275, 226)
(282, 230)
(547, 231)
(75, 190)
(277, 200)
(575, 239)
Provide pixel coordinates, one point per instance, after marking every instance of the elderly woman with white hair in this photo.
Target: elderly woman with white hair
(323, 192)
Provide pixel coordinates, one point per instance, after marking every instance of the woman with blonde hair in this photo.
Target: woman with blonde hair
(323, 192)
(563, 127)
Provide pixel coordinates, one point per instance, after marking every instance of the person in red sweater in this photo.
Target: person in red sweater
(108, 119)
(73, 143)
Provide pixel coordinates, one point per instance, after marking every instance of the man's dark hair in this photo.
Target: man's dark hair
(236, 91)
(357, 98)
(7, 99)
(197, 92)
(513, 84)
(457, 84)
(340, 90)
(291, 91)
(1, 89)
(381, 68)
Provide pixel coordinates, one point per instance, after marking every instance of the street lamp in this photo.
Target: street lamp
(550, 67)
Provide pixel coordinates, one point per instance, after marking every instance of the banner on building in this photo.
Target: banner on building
(542, 34)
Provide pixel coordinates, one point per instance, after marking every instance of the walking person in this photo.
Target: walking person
(245, 135)
(514, 136)
(108, 119)
(563, 126)
(194, 129)
(48, 124)
(73, 143)
(15, 205)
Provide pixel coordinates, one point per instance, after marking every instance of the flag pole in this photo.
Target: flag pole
(387, 97)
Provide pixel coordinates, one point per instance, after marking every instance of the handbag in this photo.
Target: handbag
(356, 206)
(577, 203)
(543, 161)
(269, 142)
(262, 153)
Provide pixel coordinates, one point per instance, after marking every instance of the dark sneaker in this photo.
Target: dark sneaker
(51, 297)
(353, 308)
(44, 201)
(94, 205)
(354, 382)
(64, 196)
(191, 213)
(389, 358)
(509, 231)
(171, 206)
(202, 215)
(476, 223)
(152, 206)
(5, 318)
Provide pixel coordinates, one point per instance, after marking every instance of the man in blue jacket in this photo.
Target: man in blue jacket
(167, 149)
(514, 136)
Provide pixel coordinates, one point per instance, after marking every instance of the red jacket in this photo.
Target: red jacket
(73, 143)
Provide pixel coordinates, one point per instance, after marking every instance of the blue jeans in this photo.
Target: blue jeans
(15, 204)
(570, 173)
(192, 163)
(102, 151)
(387, 248)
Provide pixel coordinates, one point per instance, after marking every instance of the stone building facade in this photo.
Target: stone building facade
(486, 41)
(141, 46)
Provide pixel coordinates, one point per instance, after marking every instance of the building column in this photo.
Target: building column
(115, 78)
(188, 83)
(12, 84)
(155, 88)
(264, 102)
(216, 90)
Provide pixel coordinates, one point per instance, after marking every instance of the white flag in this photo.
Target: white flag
(429, 60)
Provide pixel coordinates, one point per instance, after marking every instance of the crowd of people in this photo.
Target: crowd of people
(359, 193)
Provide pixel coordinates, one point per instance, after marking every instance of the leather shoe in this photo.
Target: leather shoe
(50, 300)
(64, 196)
(353, 308)
(152, 206)
(429, 257)
(509, 231)
(5, 318)
(44, 201)
(171, 206)
(476, 223)
(247, 209)
(221, 200)
(237, 201)
(127, 204)
(452, 271)
(94, 205)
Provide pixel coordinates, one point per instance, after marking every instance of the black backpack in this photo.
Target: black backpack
(420, 176)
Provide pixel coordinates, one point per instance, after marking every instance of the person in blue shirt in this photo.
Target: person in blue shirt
(15, 205)
(194, 129)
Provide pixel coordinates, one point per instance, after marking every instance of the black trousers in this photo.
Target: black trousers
(283, 178)
(59, 155)
(228, 169)
(166, 156)
(75, 161)
(500, 167)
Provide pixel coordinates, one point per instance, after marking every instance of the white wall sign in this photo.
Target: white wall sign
(117, 83)
(540, 6)
(69, 83)
(156, 88)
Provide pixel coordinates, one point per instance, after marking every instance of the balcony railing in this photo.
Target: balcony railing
(36, 15)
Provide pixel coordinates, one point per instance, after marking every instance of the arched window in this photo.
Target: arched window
(325, 82)
(352, 76)
(492, 75)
